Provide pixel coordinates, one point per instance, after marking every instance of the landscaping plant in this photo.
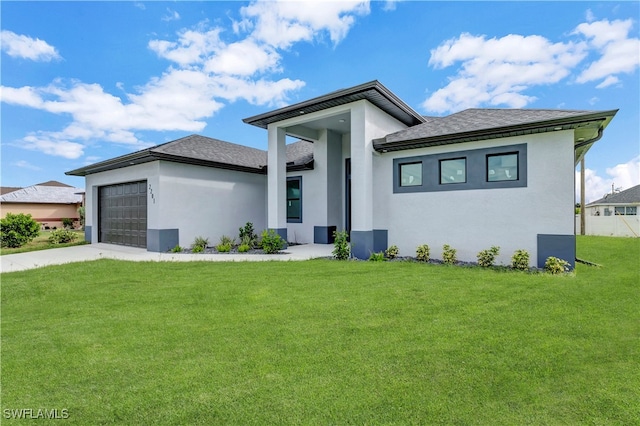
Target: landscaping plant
(449, 255)
(62, 236)
(271, 242)
(67, 222)
(422, 253)
(556, 266)
(18, 229)
(199, 244)
(391, 252)
(377, 257)
(341, 246)
(520, 260)
(486, 258)
(225, 244)
(247, 235)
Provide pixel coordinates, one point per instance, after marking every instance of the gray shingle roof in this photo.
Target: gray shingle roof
(205, 151)
(628, 196)
(473, 124)
(44, 194)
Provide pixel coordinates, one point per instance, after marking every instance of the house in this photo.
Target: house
(615, 214)
(366, 163)
(48, 203)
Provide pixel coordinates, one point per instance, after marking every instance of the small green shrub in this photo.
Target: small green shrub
(271, 242)
(176, 249)
(243, 248)
(520, 260)
(17, 230)
(341, 246)
(392, 252)
(81, 214)
(449, 254)
(422, 253)
(62, 236)
(223, 248)
(377, 257)
(247, 235)
(200, 243)
(556, 266)
(67, 222)
(486, 258)
(227, 241)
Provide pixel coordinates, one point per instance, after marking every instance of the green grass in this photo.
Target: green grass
(41, 242)
(326, 342)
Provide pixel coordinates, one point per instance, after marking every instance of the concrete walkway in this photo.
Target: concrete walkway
(37, 259)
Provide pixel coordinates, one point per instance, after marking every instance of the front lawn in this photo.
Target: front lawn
(325, 342)
(41, 242)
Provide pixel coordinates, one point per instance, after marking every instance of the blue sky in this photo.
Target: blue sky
(83, 82)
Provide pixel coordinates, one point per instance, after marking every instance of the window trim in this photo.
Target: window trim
(502, 154)
(299, 180)
(476, 170)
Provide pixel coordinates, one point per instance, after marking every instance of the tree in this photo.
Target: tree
(17, 230)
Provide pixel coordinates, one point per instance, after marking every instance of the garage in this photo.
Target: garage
(123, 214)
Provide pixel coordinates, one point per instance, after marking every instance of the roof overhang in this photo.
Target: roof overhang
(372, 91)
(587, 128)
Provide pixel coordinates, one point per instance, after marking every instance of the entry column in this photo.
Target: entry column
(277, 181)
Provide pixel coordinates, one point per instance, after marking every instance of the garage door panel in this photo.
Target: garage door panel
(123, 214)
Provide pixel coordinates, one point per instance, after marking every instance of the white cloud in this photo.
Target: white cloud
(21, 46)
(171, 15)
(139, 5)
(26, 165)
(244, 58)
(619, 53)
(497, 71)
(622, 176)
(52, 146)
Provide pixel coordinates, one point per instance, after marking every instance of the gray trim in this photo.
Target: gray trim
(380, 240)
(560, 246)
(299, 179)
(283, 234)
(361, 244)
(476, 170)
(324, 234)
(162, 240)
(87, 233)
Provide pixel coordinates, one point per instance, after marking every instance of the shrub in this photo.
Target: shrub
(247, 235)
(243, 248)
(556, 266)
(449, 255)
(341, 246)
(377, 257)
(62, 236)
(520, 260)
(422, 253)
(223, 248)
(81, 214)
(391, 252)
(176, 249)
(67, 222)
(18, 229)
(486, 258)
(199, 244)
(271, 242)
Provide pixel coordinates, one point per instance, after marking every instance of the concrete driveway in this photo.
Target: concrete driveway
(37, 259)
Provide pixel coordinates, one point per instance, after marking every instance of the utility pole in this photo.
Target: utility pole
(582, 225)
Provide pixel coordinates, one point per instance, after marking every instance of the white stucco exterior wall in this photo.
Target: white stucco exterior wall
(475, 219)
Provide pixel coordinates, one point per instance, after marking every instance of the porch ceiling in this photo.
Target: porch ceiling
(310, 130)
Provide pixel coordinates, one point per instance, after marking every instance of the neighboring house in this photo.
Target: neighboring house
(614, 214)
(370, 165)
(47, 202)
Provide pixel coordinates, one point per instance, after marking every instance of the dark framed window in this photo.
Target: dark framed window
(411, 174)
(628, 211)
(453, 171)
(502, 167)
(294, 199)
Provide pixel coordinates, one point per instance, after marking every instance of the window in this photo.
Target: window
(453, 171)
(629, 211)
(294, 199)
(411, 174)
(502, 167)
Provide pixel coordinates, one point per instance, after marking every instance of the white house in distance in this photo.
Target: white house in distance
(615, 214)
(367, 163)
